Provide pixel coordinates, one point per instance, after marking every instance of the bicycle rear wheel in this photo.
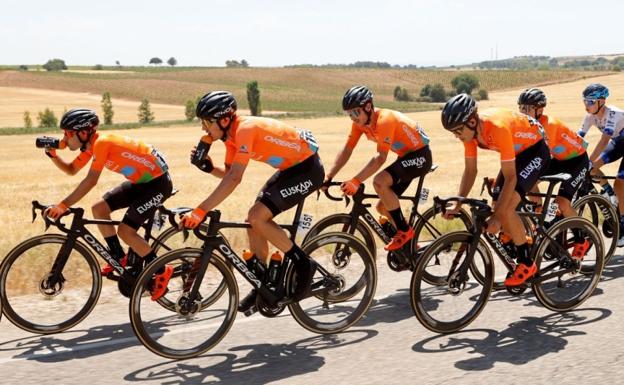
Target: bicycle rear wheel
(192, 329)
(564, 283)
(352, 275)
(452, 306)
(39, 301)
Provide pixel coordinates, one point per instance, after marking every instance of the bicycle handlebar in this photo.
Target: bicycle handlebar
(479, 204)
(332, 197)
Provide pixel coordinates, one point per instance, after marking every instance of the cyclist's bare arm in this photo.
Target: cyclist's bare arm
(229, 182)
(372, 166)
(67, 168)
(83, 188)
(341, 159)
(220, 172)
(468, 177)
(467, 181)
(600, 146)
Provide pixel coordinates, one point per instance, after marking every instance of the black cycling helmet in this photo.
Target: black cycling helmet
(595, 91)
(216, 105)
(78, 119)
(458, 110)
(356, 96)
(532, 97)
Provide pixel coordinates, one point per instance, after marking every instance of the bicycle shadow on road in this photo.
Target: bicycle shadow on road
(522, 342)
(256, 364)
(615, 269)
(91, 342)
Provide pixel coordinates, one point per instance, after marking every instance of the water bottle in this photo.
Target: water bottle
(50, 142)
(254, 264)
(273, 270)
(202, 150)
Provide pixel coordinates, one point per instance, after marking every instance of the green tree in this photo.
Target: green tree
(98, 67)
(189, 110)
(145, 112)
(27, 120)
(232, 63)
(465, 83)
(155, 60)
(401, 94)
(55, 65)
(47, 118)
(23, 67)
(107, 107)
(244, 63)
(483, 95)
(253, 98)
(172, 61)
(437, 93)
(425, 91)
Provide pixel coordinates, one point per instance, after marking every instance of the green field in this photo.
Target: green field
(309, 90)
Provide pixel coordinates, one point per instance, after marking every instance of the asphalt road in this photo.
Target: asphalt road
(515, 340)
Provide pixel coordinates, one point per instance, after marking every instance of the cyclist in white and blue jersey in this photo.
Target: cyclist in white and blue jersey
(610, 121)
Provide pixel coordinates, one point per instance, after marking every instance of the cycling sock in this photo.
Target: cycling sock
(115, 247)
(522, 254)
(149, 258)
(577, 235)
(399, 220)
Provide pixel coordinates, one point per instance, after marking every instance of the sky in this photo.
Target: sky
(278, 33)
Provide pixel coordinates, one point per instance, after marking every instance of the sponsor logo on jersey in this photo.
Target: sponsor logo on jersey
(410, 135)
(139, 159)
(571, 140)
(525, 135)
(283, 143)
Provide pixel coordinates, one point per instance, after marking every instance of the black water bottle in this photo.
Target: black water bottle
(273, 271)
(49, 142)
(202, 150)
(254, 264)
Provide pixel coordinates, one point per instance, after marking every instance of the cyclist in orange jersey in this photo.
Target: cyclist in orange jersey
(292, 151)
(392, 131)
(569, 155)
(524, 157)
(148, 182)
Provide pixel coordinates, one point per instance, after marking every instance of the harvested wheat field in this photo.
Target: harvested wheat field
(27, 174)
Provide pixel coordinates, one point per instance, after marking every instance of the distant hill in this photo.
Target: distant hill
(610, 62)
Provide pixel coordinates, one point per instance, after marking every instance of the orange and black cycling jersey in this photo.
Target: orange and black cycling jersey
(505, 131)
(135, 160)
(564, 143)
(392, 131)
(267, 140)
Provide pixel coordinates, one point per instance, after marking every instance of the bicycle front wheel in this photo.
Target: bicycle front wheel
(563, 282)
(599, 211)
(452, 306)
(193, 328)
(173, 239)
(43, 300)
(342, 223)
(350, 270)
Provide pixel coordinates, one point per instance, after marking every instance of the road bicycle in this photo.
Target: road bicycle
(465, 259)
(339, 296)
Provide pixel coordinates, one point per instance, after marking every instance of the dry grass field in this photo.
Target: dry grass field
(27, 174)
(311, 90)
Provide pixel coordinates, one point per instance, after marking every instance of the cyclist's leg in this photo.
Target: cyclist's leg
(530, 165)
(114, 199)
(286, 189)
(393, 181)
(145, 199)
(577, 167)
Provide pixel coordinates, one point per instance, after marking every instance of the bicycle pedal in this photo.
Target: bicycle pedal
(249, 312)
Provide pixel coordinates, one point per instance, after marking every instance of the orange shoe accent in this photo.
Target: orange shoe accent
(108, 269)
(580, 249)
(521, 274)
(247, 254)
(400, 239)
(160, 282)
(383, 220)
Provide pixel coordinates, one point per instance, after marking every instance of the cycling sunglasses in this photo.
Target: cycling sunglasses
(354, 113)
(590, 102)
